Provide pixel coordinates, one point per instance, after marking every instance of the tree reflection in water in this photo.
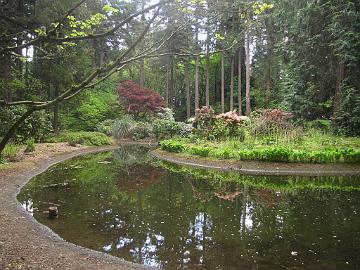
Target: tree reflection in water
(175, 217)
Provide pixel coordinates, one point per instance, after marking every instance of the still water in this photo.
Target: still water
(127, 204)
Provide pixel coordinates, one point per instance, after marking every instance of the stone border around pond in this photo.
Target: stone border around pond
(260, 167)
(27, 244)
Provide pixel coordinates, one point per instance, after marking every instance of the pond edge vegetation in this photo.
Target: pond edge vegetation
(257, 167)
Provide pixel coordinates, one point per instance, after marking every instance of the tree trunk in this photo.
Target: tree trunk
(167, 89)
(340, 75)
(197, 83)
(196, 67)
(56, 109)
(247, 56)
(222, 83)
(6, 75)
(239, 83)
(142, 60)
(10, 133)
(142, 73)
(207, 71)
(270, 42)
(187, 89)
(232, 84)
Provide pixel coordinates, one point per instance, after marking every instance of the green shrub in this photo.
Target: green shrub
(320, 124)
(38, 125)
(30, 145)
(95, 107)
(106, 127)
(204, 120)
(82, 137)
(11, 152)
(163, 128)
(140, 131)
(172, 146)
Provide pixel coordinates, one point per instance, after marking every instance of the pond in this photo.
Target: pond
(129, 205)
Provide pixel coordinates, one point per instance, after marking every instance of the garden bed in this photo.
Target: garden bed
(259, 167)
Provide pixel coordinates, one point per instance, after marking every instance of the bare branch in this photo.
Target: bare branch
(49, 39)
(4, 103)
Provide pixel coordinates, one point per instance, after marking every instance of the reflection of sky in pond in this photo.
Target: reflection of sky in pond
(146, 214)
(28, 206)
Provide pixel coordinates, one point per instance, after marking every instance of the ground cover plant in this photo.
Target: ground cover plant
(268, 135)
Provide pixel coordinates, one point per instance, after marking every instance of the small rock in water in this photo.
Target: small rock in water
(53, 211)
(294, 253)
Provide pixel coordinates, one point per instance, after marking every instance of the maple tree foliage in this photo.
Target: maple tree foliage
(136, 99)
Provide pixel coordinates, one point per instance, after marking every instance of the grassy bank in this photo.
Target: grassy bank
(310, 148)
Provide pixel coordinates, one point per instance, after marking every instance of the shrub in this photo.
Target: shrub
(320, 124)
(38, 125)
(30, 145)
(82, 137)
(95, 107)
(106, 127)
(271, 122)
(172, 146)
(223, 129)
(136, 99)
(140, 131)
(204, 120)
(166, 128)
(347, 120)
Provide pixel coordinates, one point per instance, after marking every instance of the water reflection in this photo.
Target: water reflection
(124, 204)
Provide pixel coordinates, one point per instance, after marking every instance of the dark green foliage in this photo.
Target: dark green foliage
(37, 126)
(347, 121)
(82, 137)
(319, 124)
(351, 155)
(319, 36)
(164, 128)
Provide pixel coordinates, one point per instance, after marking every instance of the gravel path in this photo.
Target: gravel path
(27, 244)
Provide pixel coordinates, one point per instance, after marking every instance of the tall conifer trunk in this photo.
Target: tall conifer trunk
(247, 62)
(239, 82)
(340, 75)
(232, 84)
(222, 83)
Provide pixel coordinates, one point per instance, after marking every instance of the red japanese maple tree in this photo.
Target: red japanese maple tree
(136, 99)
